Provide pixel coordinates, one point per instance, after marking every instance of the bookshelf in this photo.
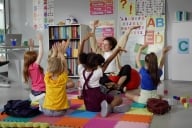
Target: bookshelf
(74, 32)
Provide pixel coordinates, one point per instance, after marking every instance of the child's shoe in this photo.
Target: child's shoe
(105, 108)
(122, 108)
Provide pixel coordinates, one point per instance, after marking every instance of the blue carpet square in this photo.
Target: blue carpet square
(83, 114)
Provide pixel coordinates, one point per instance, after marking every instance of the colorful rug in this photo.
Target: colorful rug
(78, 117)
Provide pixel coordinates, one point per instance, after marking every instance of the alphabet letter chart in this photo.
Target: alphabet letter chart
(150, 16)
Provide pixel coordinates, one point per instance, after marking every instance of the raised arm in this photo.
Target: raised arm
(93, 42)
(40, 54)
(61, 50)
(31, 44)
(122, 43)
(54, 50)
(163, 54)
(124, 38)
(81, 47)
(138, 56)
(110, 58)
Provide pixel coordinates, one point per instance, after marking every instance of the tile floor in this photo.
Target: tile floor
(178, 117)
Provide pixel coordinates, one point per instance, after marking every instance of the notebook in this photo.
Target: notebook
(10, 37)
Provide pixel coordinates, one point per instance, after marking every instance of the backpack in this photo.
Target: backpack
(158, 106)
(20, 108)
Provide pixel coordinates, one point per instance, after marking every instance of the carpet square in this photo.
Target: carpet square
(136, 118)
(77, 101)
(125, 124)
(17, 119)
(100, 123)
(46, 119)
(71, 122)
(83, 114)
(111, 116)
(3, 116)
(139, 111)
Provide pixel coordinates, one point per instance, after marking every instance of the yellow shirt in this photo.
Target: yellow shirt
(56, 96)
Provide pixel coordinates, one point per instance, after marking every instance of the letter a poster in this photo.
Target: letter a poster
(150, 16)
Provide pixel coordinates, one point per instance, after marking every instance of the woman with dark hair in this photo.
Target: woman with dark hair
(114, 67)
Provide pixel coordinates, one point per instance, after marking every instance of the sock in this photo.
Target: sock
(122, 108)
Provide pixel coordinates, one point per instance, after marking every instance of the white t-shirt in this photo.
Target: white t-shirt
(112, 65)
(94, 80)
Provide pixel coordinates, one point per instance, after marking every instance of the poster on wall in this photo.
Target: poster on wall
(105, 29)
(183, 45)
(43, 14)
(150, 15)
(101, 7)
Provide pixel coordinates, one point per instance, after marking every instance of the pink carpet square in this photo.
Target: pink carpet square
(100, 123)
(111, 116)
(125, 124)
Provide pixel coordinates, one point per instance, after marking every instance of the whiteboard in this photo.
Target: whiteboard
(181, 51)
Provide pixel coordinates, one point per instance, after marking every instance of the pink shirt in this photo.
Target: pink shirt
(37, 78)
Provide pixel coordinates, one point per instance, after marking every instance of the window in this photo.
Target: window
(2, 21)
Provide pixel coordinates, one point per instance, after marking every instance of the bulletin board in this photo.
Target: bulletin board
(150, 15)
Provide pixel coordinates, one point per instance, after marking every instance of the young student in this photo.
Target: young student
(33, 72)
(150, 75)
(90, 72)
(55, 102)
(109, 45)
(70, 82)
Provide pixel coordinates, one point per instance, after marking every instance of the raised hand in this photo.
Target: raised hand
(135, 27)
(54, 50)
(143, 47)
(87, 36)
(31, 44)
(40, 37)
(121, 49)
(166, 49)
(95, 23)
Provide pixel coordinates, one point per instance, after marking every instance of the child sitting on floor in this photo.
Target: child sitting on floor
(56, 77)
(90, 71)
(33, 72)
(150, 75)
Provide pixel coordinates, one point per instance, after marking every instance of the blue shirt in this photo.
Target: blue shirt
(146, 81)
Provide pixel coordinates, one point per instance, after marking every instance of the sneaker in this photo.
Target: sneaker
(105, 108)
(122, 108)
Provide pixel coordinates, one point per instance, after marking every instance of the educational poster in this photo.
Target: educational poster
(101, 7)
(128, 21)
(43, 14)
(150, 7)
(105, 29)
(48, 13)
(128, 6)
(150, 15)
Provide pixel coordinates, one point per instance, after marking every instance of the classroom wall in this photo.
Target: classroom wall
(21, 18)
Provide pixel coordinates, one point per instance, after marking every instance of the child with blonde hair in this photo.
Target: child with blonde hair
(150, 75)
(70, 82)
(33, 72)
(55, 102)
